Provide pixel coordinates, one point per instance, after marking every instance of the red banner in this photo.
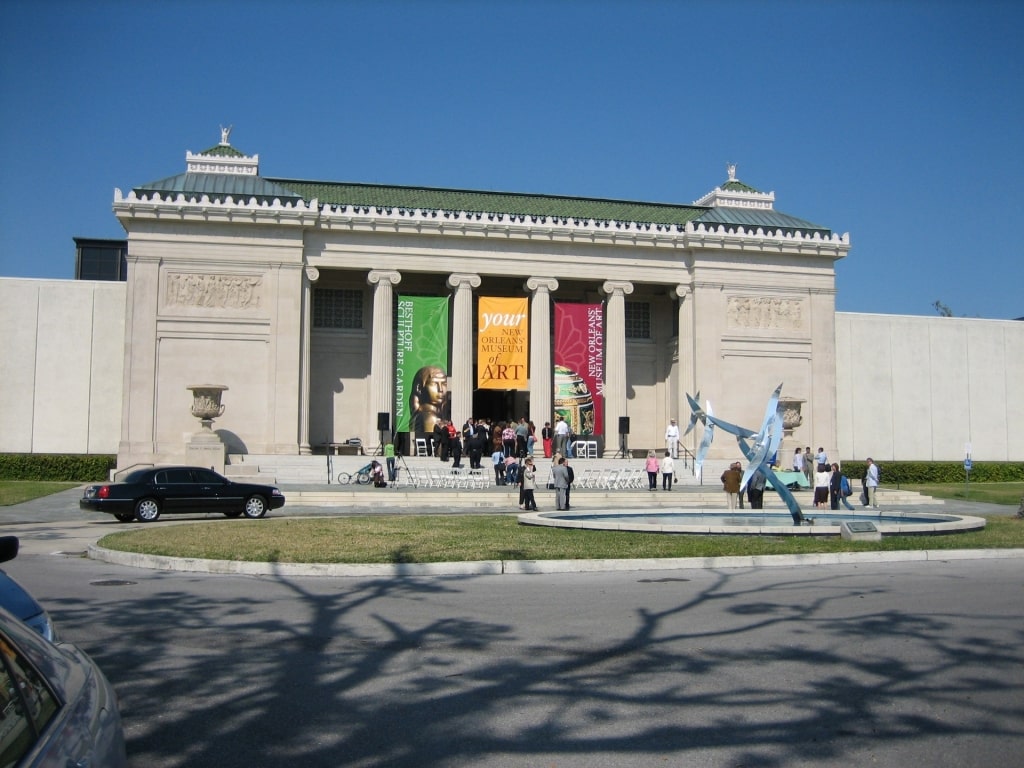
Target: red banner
(579, 366)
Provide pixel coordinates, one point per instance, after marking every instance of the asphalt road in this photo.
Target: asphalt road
(894, 664)
(900, 664)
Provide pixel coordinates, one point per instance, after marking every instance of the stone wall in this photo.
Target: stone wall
(61, 365)
(922, 388)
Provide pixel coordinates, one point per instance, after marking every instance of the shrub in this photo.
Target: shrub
(901, 472)
(53, 466)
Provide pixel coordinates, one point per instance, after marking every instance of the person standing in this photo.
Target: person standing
(672, 439)
(809, 466)
(821, 485)
(652, 471)
(522, 432)
(821, 457)
(529, 486)
(838, 488)
(668, 469)
(755, 489)
(547, 435)
(798, 461)
(871, 483)
(731, 479)
(561, 435)
(570, 478)
(389, 459)
(560, 477)
(531, 438)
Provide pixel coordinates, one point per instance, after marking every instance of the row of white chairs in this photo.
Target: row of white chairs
(445, 478)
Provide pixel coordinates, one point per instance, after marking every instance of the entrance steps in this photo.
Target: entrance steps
(426, 482)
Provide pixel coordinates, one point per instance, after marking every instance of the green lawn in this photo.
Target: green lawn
(455, 538)
(18, 491)
(991, 493)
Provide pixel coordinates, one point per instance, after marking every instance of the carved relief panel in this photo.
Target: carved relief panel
(768, 313)
(217, 291)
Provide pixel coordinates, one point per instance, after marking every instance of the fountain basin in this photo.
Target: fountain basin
(753, 523)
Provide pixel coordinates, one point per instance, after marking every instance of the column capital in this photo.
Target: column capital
(536, 284)
(681, 292)
(459, 279)
(376, 276)
(312, 274)
(620, 287)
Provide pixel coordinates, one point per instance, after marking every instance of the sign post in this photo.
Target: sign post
(967, 471)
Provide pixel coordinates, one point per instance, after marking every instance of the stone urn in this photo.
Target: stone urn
(789, 409)
(206, 405)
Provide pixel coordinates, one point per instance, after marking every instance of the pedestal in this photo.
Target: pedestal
(205, 449)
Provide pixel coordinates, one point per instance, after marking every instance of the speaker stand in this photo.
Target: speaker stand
(623, 451)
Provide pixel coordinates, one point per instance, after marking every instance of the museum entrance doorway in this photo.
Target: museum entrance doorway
(501, 404)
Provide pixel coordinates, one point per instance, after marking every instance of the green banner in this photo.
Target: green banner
(421, 363)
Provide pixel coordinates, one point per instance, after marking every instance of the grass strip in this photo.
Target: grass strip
(459, 538)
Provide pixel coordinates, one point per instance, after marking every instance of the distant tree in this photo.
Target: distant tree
(942, 309)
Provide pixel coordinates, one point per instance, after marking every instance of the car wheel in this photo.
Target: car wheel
(233, 513)
(124, 517)
(255, 507)
(363, 478)
(147, 510)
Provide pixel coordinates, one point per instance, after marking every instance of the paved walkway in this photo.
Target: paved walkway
(55, 525)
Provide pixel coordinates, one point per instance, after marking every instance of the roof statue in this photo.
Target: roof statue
(225, 136)
(731, 167)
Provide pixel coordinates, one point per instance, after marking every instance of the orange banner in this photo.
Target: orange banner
(503, 336)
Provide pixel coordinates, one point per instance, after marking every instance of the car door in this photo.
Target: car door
(217, 494)
(177, 489)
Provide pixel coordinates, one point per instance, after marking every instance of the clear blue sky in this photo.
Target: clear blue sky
(901, 123)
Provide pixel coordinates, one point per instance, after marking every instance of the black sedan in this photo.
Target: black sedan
(146, 493)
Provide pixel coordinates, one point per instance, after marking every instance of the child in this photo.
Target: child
(499, 466)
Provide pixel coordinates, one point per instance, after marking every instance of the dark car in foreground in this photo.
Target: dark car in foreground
(56, 706)
(145, 494)
(15, 599)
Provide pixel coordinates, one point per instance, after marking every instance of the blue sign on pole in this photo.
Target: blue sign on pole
(967, 464)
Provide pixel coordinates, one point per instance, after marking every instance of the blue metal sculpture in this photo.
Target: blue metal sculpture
(762, 446)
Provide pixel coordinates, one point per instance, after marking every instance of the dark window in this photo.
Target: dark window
(638, 320)
(101, 259)
(337, 308)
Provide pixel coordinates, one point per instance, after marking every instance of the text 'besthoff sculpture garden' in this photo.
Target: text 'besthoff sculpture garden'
(757, 447)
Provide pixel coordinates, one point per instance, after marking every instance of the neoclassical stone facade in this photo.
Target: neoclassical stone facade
(285, 291)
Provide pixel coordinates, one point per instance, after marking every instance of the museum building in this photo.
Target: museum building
(327, 311)
(299, 297)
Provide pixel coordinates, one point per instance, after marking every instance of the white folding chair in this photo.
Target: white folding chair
(421, 446)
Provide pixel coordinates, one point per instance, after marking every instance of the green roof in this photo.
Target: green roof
(469, 201)
(534, 207)
(223, 150)
(218, 186)
(738, 186)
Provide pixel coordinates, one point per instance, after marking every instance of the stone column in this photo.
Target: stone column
(685, 353)
(460, 378)
(615, 361)
(311, 275)
(382, 374)
(541, 381)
